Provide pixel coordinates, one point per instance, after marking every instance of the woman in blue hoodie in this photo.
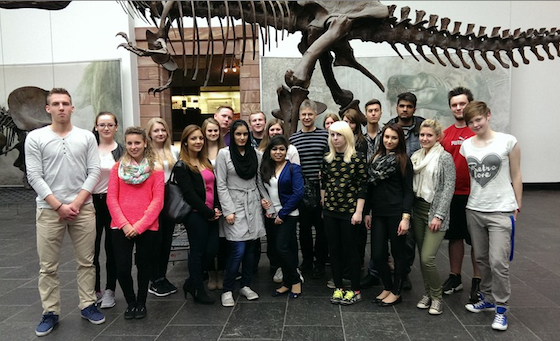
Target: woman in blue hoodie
(284, 184)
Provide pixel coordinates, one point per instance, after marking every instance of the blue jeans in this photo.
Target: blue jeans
(203, 240)
(239, 252)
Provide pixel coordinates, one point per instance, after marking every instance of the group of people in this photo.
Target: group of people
(409, 182)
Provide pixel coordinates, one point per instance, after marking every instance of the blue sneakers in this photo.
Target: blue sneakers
(479, 306)
(48, 321)
(500, 319)
(93, 315)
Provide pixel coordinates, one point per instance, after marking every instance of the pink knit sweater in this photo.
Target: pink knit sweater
(138, 205)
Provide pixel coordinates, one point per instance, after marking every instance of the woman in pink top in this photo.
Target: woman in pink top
(135, 199)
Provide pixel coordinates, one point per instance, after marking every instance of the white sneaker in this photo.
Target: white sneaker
(436, 308)
(250, 294)
(227, 299)
(278, 276)
(424, 303)
(108, 299)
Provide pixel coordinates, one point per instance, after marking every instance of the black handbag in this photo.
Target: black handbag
(311, 198)
(175, 208)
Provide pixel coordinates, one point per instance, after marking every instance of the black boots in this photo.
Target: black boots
(199, 294)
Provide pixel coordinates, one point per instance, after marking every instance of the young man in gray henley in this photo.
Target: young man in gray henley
(63, 167)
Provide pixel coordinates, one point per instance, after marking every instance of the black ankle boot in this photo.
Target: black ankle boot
(200, 296)
(187, 289)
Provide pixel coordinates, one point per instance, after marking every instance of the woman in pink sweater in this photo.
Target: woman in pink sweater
(135, 199)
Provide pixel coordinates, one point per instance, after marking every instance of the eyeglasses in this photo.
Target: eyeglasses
(103, 125)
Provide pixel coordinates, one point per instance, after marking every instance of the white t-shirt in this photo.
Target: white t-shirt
(491, 188)
(107, 161)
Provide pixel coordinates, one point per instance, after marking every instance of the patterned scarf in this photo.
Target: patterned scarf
(382, 167)
(133, 173)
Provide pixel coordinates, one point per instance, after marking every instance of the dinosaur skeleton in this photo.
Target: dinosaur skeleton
(327, 28)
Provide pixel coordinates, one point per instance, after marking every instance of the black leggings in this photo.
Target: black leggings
(162, 248)
(103, 223)
(383, 230)
(343, 238)
(123, 253)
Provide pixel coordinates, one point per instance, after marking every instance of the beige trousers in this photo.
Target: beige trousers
(50, 235)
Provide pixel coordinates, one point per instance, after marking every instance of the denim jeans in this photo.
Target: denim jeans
(239, 252)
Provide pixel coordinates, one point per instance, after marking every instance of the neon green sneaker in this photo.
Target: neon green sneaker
(351, 297)
(337, 296)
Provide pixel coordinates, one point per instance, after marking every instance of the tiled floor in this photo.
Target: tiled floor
(535, 303)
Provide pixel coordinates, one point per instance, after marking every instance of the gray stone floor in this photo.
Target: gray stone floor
(534, 315)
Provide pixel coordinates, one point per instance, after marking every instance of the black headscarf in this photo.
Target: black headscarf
(245, 165)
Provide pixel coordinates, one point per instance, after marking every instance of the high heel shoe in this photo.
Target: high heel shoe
(385, 304)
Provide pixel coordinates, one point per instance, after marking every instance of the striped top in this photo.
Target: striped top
(311, 147)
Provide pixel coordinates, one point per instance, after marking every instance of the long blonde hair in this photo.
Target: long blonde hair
(343, 129)
(148, 152)
(184, 155)
(167, 155)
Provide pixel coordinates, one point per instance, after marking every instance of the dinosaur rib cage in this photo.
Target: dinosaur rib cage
(291, 17)
(7, 128)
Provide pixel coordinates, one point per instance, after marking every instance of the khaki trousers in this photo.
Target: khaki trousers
(491, 240)
(50, 235)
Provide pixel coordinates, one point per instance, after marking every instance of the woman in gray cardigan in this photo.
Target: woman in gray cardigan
(433, 185)
(241, 193)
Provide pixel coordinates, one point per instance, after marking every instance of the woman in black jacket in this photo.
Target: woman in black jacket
(390, 199)
(194, 174)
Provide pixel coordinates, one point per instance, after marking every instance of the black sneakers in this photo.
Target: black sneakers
(162, 288)
(452, 284)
